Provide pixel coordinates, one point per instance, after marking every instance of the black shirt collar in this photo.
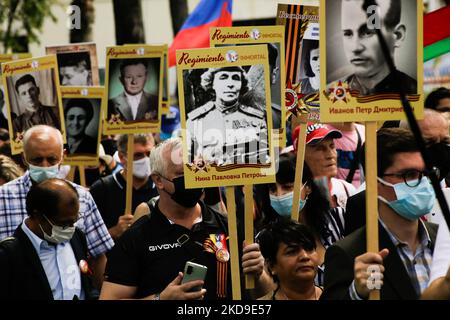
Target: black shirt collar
(208, 219)
(122, 183)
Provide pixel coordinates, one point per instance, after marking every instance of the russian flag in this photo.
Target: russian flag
(195, 31)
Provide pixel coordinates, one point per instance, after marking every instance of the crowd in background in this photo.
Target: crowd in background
(321, 256)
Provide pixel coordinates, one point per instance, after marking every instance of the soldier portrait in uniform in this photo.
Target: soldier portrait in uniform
(221, 128)
(129, 85)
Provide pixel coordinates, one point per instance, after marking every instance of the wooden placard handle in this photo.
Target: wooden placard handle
(71, 174)
(82, 175)
(371, 194)
(249, 234)
(234, 249)
(295, 215)
(129, 185)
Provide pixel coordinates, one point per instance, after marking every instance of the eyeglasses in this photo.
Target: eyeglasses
(412, 178)
(63, 225)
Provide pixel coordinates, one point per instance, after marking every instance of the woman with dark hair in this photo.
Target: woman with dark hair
(78, 114)
(311, 66)
(289, 249)
(275, 200)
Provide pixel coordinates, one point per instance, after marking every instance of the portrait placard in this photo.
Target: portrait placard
(166, 87)
(356, 82)
(133, 89)
(82, 114)
(165, 93)
(77, 64)
(273, 36)
(227, 138)
(6, 57)
(302, 60)
(33, 97)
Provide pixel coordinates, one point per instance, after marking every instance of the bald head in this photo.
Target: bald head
(434, 127)
(55, 198)
(43, 146)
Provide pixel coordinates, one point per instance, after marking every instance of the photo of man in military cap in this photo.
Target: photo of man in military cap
(224, 130)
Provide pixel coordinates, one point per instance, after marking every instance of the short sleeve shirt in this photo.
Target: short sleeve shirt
(151, 253)
(13, 210)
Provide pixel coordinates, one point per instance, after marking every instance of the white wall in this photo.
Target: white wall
(157, 21)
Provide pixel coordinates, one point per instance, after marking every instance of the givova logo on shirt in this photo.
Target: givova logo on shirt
(164, 246)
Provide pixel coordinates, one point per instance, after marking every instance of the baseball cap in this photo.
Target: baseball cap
(170, 122)
(315, 133)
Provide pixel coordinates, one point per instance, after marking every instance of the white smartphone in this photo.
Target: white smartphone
(194, 271)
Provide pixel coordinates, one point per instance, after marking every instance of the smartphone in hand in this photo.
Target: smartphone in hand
(194, 271)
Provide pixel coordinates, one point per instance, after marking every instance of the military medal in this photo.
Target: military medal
(222, 255)
(217, 244)
(84, 267)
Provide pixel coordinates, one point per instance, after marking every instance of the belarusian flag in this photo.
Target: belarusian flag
(436, 28)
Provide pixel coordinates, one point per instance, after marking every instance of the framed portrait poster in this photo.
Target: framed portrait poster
(302, 60)
(32, 96)
(227, 138)
(356, 81)
(133, 89)
(82, 118)
(77, 64)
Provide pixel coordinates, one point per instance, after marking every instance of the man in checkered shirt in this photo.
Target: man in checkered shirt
(43, 153)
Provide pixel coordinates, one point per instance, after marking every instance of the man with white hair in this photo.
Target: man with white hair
(148, 259)
(43, 154)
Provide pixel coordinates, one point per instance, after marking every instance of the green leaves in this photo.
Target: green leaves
(22, 21)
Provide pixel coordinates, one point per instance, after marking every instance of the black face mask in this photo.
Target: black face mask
(187, 198)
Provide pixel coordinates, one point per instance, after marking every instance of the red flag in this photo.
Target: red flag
(195, 31)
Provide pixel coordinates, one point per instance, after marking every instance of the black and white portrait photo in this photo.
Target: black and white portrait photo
(309, 73)
(225, 124)
(77, 64)
(3, 110)
(82, 124)
(75, 69)
(133, 93)
(33, 100)
(354, 52)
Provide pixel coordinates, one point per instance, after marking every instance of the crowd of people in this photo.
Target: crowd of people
(59, 240)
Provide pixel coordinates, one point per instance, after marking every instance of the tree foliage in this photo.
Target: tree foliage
(21, 22)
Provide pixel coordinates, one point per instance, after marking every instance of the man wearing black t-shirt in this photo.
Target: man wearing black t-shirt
(147, 261)
(109, 193)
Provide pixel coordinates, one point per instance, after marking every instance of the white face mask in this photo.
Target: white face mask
(141, 168)
(59, 234)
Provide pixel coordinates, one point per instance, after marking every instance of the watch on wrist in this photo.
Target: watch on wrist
(157, 296)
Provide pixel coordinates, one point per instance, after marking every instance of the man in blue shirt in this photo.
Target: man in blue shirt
(43, 153)
(46, 258)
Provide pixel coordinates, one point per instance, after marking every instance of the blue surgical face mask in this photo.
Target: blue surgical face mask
(283, 204)
(411, 203)
(39, 174)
